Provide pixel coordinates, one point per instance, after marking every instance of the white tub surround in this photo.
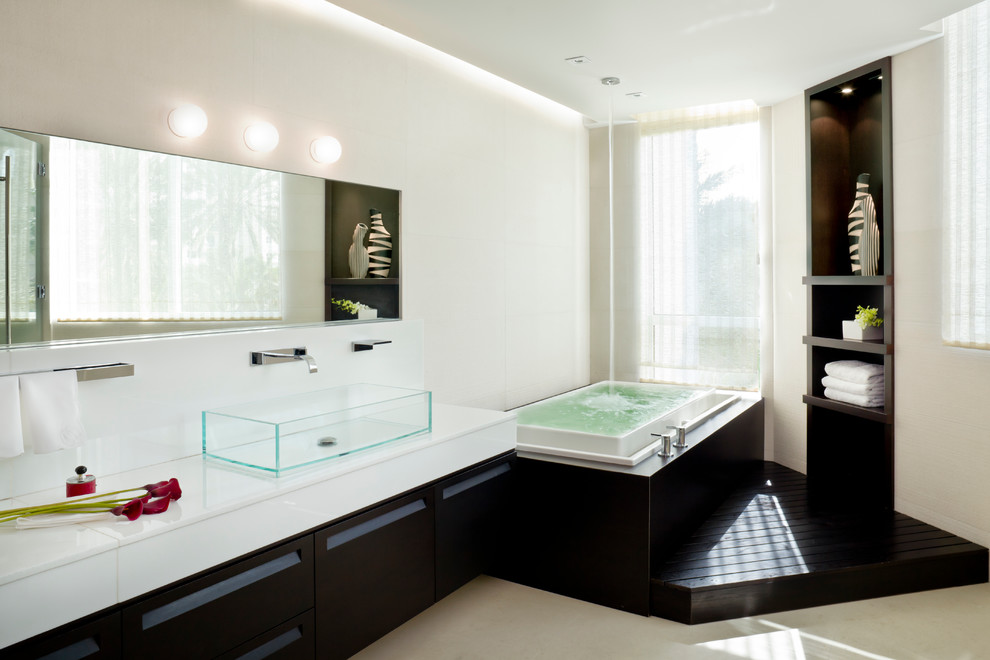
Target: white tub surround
(49, 577)
(715, 410)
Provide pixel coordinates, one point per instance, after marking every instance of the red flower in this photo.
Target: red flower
(132, 509)
(157, 506)
(168, 489)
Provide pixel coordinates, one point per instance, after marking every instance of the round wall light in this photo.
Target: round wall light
(261, 136)
(325, 149)
(187, 121)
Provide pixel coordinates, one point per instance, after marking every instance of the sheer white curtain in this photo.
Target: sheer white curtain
(140, 236)
(966, 213)
(700, 239)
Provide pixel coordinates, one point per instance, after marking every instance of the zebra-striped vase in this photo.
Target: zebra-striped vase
(864, 233)
(379, 246)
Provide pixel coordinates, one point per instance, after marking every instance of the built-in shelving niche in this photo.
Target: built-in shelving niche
(850, 448)
(349, 204)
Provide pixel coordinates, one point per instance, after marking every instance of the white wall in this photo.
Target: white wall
(942, 422)
(942, 426)
(625, 147)
(494, 179)
(785, 408)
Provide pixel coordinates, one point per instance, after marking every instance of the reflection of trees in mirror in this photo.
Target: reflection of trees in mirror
(141, 236)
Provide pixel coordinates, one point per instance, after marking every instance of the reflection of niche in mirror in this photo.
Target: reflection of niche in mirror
(349, 204)
(151, 243)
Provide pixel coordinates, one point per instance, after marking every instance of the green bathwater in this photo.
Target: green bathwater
(607, 409)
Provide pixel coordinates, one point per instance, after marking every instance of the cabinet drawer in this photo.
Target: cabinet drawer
(293, 640)
(96, 640)
(373, 572)
(217, 612)
(470, 523)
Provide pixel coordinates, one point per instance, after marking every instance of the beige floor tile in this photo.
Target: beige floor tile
(490, 618)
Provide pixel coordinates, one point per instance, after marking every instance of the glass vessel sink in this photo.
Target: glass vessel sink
(276, 435)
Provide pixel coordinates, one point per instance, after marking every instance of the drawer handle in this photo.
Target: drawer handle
(377, 522)
(211, 593)
(81, 649)
(273, 646)
(471, 482)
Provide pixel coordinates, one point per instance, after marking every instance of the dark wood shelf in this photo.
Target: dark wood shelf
(848, 280)
(874, 348)
(363, 281)
(848, 123)
(873, 414)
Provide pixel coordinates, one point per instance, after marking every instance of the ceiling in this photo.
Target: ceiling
(679, 54)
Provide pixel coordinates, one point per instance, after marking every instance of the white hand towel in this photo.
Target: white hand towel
(855, 399)
(854, 371)
(873, 389)
(50, 411)
(11, 437)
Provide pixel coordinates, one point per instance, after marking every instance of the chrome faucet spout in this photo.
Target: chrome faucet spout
(284, 355)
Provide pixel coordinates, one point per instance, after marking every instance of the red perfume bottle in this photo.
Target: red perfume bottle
(80, 484)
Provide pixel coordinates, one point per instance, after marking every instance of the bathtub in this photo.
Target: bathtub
(614, 422)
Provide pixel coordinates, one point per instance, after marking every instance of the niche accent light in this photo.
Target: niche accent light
(187, 121)
(261, 136)
(325, 149)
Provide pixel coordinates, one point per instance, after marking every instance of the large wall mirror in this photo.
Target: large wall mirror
(105, 241)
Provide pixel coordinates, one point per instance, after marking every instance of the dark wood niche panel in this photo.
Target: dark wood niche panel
(847, 138)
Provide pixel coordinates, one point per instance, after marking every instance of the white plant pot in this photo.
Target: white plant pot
(367, 314)
(851, 330)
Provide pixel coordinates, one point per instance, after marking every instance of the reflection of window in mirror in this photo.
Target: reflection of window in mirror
(145, 242)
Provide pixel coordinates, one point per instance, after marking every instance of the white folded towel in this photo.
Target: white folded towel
(854, 371)
(855, 399)
(50, 411)
(11, 437)
(872, 389)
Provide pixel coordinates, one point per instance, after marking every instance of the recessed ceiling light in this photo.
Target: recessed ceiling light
(636, 94)
(580, 59)
(846, 90)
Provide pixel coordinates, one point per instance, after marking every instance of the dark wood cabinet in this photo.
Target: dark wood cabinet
(373, 572)
(293, 640)
(93, 638)
(470, 523)
(326, 594)
(213, 614)
(848, 123)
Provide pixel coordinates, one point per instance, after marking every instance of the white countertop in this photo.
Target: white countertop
(50, 576)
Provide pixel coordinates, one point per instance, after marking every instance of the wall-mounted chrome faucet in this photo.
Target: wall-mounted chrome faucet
(283, 355)
(368, 344)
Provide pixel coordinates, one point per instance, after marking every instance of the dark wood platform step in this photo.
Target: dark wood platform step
(764, 551)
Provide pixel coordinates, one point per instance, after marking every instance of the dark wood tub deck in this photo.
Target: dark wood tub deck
(765, 551)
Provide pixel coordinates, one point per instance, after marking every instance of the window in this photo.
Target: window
(700, 241)
(141, 236)
(966, 212)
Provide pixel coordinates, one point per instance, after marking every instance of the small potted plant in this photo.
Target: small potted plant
(344, 309)
(865, 327)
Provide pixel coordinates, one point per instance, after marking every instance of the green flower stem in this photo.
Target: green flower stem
(76, 506)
